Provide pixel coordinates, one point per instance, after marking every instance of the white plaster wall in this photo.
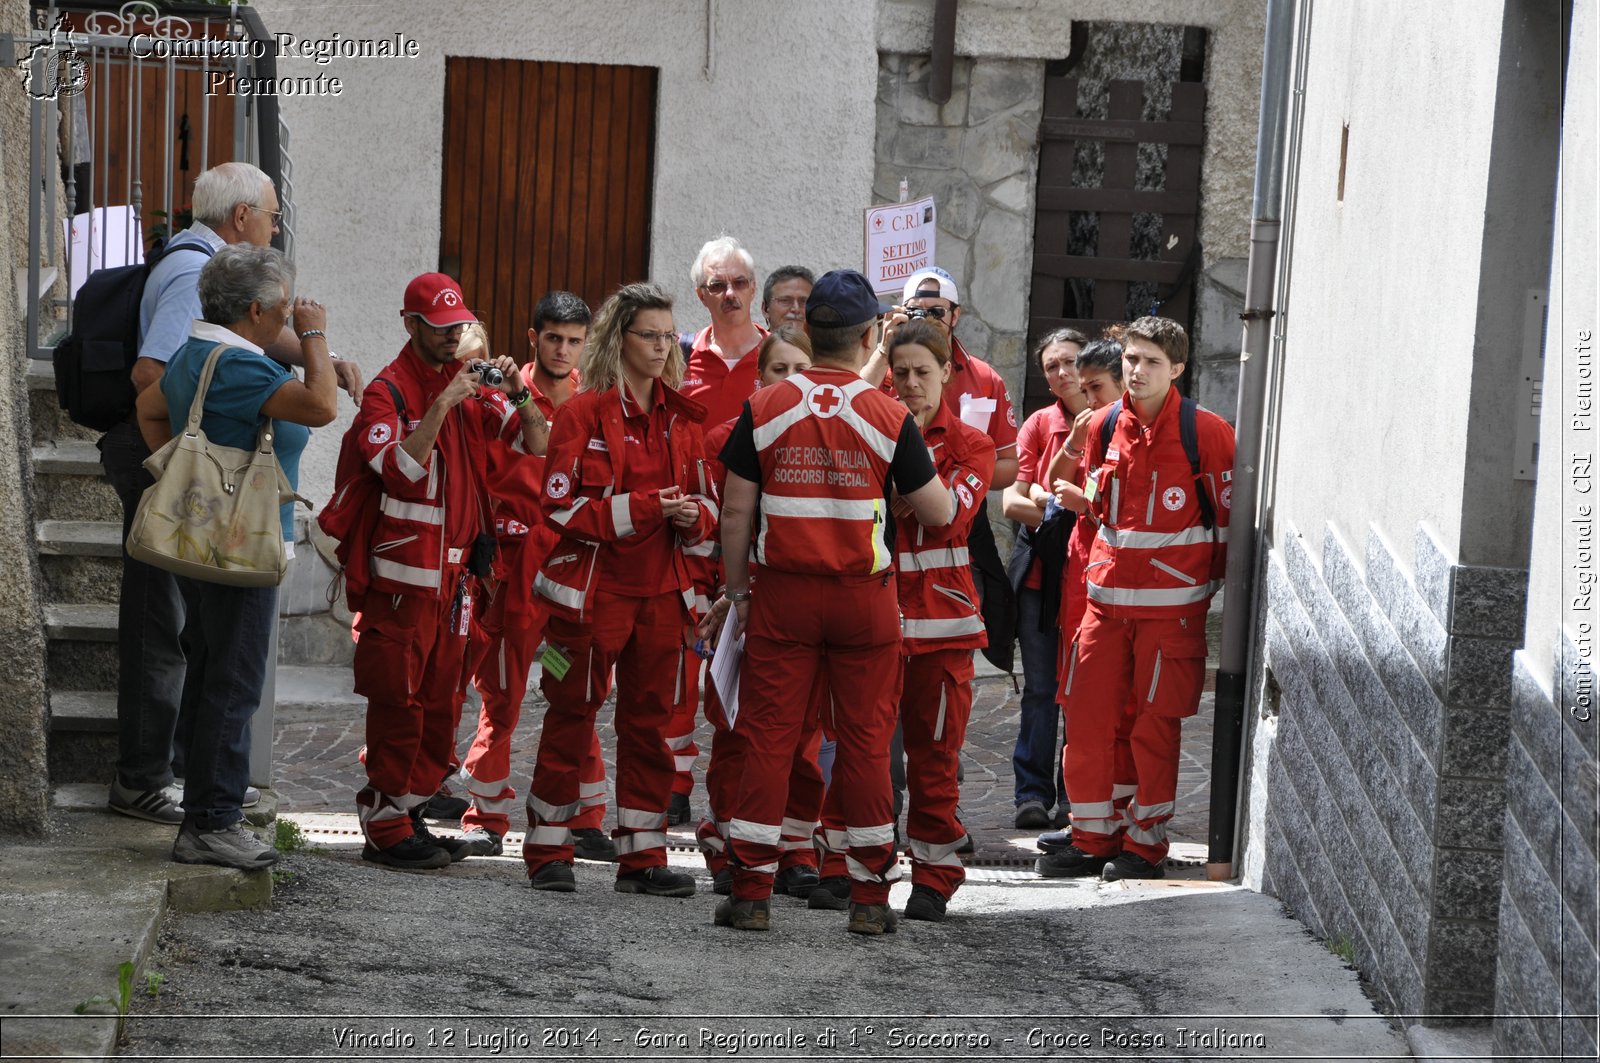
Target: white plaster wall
(1042, 29)
(1573, 300)
(776, 148)
(1382, 297)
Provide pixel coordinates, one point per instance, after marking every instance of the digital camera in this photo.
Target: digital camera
(487, 372)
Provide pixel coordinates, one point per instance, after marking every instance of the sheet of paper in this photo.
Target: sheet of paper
(725, 663)
(108, 237)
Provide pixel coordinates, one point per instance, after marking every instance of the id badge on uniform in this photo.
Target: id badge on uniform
(555, 661)
(1091, 485)
(464, 624)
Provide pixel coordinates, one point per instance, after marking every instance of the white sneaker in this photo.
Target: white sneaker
(232, 846)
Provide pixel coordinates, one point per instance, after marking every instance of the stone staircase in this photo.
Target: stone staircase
(78, 529)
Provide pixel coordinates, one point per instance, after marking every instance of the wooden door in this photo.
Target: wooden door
(547, 177)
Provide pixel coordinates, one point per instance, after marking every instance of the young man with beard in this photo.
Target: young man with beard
(411, 583)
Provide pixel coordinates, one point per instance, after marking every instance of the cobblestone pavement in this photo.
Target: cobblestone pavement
(316, 770)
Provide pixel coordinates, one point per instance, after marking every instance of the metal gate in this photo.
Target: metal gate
(121, 121)
(1104, 284)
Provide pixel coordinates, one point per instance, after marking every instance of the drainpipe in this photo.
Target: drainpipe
(1239, 596)
(942, 60)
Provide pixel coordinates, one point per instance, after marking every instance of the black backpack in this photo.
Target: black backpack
(94, 365)
(1190, 434)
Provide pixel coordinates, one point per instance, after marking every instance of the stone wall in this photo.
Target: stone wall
(1387, 780)
(24, 706)
(1548, 952)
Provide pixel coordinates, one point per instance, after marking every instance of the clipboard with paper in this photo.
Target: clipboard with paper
(725, 664)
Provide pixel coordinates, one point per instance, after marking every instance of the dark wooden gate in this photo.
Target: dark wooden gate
(1097, 286)
(546, 184)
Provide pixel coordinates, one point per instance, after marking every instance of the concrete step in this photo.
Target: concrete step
(83, 710)
(68, 457)
(79, 538)
(84, 623)
(87, 897)
(41, 375)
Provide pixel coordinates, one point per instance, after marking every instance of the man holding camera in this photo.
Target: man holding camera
(426, 427)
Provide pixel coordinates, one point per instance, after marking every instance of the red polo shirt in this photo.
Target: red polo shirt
(709, 381)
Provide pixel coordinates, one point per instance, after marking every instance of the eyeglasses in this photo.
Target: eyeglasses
(789, 300)
(277, 215)
(720, 287)
(654, 338)
(438, 330)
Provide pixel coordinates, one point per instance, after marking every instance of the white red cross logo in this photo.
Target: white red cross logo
(825, 401)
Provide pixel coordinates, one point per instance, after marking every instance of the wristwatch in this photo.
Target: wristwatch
(738, 596)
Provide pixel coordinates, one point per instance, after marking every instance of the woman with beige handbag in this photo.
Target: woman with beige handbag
(245, 297)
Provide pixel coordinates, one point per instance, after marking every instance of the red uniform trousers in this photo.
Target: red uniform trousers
(408, 665)
(848, 630)
(1138, 678)
(935, 704)
(727, 766)
(680, 729)
(499, 661)
(643, 639)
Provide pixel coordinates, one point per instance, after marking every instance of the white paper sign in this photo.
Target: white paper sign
(116, 228)
(900, 238)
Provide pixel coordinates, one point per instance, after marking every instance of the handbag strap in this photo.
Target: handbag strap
(197, 407)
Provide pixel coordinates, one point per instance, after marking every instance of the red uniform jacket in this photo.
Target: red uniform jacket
(938, 601)
(583, 473)
(424, 504)
(515, 482)
(1152, 556)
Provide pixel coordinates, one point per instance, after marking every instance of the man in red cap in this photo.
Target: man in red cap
(426, 428)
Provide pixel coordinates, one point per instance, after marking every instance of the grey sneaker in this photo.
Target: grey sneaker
(233, 846)
(157, 806)
(481, 841)
(1032, 815)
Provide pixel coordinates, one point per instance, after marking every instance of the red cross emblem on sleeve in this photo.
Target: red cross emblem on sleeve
(825, 400)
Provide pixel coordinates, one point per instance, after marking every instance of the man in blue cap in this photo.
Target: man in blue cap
(810, 465)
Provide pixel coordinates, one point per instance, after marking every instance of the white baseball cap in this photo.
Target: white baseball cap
(924, 281)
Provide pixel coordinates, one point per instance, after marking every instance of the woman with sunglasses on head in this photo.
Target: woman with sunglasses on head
(627, 489)
(940, 622)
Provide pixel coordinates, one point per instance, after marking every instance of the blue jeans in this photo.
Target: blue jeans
(1036, 761)
(150, 632)
(227, 670)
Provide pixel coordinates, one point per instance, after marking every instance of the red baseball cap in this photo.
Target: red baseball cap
(437, 299)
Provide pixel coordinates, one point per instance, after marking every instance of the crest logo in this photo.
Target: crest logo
(825, 401)
(1226, 497)
(1174, 498)
(558, 485)
(379, 434)
(53, 69)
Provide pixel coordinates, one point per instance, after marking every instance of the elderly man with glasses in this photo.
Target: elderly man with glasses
(722, 371)
(234, 203)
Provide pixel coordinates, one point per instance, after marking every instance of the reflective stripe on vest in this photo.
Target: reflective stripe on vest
(420, 512)
(928, 560)
(410, 575)
(941, 629)
(1118, 538)
(1152, 596)
(571, 597)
